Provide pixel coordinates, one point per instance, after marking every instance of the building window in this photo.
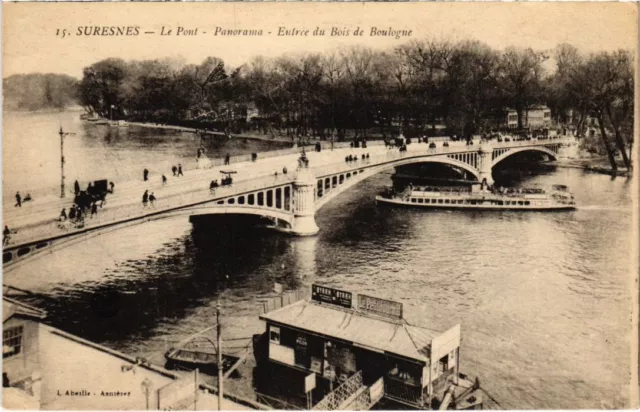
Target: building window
(274, 334)
(11, 341)
(444, 364)
(406, 373)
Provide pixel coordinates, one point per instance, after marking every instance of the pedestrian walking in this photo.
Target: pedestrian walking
(145, 198)
(180, 170)
(18, 200)
(152, 199)
(227, 159)
(76, 188)
(72, 213)
(145, 174)
(5, 235)
(63, 215)
(164, 180)
(94, 209)
(174, 169)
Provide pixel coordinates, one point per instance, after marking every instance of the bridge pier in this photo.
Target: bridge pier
(484, 163)
(304, 209)
(568, 151)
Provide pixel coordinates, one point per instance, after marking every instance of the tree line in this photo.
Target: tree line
(464, 86)
(36, 91)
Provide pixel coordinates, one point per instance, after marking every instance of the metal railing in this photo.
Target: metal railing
(403, 392)
(107, 216)
(126, 212)
(335, 399)
(394, 154)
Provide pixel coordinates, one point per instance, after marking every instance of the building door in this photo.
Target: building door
(302, 351)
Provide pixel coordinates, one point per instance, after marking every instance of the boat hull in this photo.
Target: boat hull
(400, 202)
(173, 363)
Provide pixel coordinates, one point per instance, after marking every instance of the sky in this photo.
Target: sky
(30, 43)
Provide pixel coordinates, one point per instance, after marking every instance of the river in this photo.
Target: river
(31, 163)
(543, 298)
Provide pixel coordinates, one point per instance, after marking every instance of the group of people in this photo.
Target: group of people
(354, 158)
(77, 213)
(19, 199)
(177, 171)
(85, 203)
(284, 172)
(148, 199)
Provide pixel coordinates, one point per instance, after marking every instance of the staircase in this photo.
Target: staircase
(352, 395)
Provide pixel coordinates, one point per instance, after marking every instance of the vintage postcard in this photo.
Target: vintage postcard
(331, 206)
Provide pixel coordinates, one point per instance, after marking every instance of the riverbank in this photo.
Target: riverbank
(594, 165)
(255, 136)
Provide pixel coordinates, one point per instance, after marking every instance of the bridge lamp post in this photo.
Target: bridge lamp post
(62, 136)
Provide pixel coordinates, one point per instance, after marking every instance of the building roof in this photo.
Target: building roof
(364, 330)
(11, 307)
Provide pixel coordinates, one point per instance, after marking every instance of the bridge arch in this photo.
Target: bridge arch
(364, 171)
(508, 153)
(36, 250)
(443, 160)
(213, 209)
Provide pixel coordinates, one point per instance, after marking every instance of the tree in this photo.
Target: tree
(620, 98)
(520, 78)
(101, 85)
(39, 91)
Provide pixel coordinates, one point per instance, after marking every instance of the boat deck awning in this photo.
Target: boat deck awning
(364, 330)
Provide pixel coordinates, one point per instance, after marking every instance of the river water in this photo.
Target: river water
(543, 298)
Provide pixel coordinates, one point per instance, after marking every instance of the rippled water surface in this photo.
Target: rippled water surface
(543, 298)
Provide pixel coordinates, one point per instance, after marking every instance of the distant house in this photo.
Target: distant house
(537, 117)
(252, 111)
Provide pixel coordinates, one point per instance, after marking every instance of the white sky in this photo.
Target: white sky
(30, 44)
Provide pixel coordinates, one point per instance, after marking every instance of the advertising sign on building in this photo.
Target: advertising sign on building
(324, 294)
(381, 307)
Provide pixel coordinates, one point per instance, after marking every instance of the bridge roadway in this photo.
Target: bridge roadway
(37, 221)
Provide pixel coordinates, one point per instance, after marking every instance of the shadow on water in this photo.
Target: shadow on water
(220, 253)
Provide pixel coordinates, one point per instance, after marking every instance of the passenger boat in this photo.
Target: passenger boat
(480, 197)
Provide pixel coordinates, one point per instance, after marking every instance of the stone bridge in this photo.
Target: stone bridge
(290, 201)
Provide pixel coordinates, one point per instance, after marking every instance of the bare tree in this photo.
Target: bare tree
(520, 76)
